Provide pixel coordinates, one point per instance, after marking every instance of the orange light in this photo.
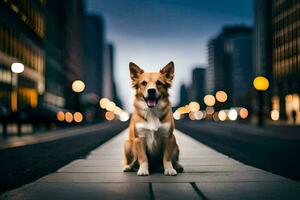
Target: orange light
(209, 100)
(103, 102)
(110, 106)
(221, 96)
(222, 115)
(244, 113)
(209, 110)
(78, 117)
(109, 115)
(194, 106)
(68, 117)
(60, 116)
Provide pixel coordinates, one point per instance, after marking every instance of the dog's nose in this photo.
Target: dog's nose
(151, 91)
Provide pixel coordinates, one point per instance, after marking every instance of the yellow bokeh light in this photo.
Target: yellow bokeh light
(68, 117)
(244, 113)
(109, 115)
(222, 115)
(261, 83)
(78, 117)
(289, 98)
(110, 106)
(103, 102)
(209, 100)
(221, 96)
(118, 110)
(78, 86)
(60, 116)
(275, 115)
(194, 106)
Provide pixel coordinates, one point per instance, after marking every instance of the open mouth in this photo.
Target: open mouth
(151, 101)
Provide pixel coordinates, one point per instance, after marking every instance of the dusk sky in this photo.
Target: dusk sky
(153, 32)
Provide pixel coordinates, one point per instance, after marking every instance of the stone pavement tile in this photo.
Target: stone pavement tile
(159, 177)
(61, 191)
(283, 190)
(104, 169)
(171, 191)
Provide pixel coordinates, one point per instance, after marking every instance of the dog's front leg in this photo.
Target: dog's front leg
(140, 154)
(167, 157)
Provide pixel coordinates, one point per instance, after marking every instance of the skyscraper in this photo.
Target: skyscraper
(286, 58)
(197, 87)
(230, 60)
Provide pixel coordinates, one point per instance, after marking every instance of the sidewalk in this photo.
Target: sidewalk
(208, 175)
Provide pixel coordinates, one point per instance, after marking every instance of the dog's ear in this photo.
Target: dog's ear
(168, 71)
(135, 72)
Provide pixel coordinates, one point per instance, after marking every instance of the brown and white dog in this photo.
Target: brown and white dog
(151, 127)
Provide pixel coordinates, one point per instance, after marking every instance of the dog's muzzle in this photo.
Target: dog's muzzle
(152, 98)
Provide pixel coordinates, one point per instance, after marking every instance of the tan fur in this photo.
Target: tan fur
(151, 129)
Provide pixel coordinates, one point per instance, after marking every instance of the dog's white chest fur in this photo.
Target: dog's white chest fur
(152, 131)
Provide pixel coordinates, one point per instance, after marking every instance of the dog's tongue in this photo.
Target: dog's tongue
(151, 102)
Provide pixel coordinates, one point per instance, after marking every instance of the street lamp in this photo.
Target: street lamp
(261, 84)
(16, 68)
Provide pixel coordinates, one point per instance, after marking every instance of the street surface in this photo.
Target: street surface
(208, 175)
(272, 148)
(27, 158)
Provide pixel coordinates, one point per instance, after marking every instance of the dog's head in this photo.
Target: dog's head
(151, 86)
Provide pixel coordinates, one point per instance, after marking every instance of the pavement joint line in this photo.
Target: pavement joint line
(198, 191)
(152, 197)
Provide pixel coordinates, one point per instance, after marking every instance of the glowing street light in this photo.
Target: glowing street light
(209, 100)
(17, 68)
(261, 84)
(232, 115)
(78, 86)
(78, 117)
(194, 106)
(221, 96)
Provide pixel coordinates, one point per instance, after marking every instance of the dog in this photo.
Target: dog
(151, 140)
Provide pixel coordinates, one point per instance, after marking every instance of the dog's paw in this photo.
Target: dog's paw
(143, 172)
(126, 168)
(170, 172)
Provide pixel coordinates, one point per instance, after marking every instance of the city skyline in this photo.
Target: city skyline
(153, 33)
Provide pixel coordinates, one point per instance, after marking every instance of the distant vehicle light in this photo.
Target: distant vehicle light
(244, 113)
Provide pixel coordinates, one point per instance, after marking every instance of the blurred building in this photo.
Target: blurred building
(22, 34)
(197, 87)
(262, 48)
(184, 96)
(286, 58)
(94, 43)
(230, 65)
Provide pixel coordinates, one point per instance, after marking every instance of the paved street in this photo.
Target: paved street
(272, 148)
(208, 175)
(27, 158)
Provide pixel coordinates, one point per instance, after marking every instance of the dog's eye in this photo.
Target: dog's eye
(144, 83)
(159, 83)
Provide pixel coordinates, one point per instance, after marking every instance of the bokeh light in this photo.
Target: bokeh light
(222, 115)
(192, 116)
(209, 100)
(194, 106)
(68, 117)
(275, 115)
(17, 68)
(124, 116)
(103, 102)
(261, 83)
(232, 115)
(176, 115)
(110, 106)
(60, 116)
(78, 117)
(109, 115)
(244, 113)
(199, 115)
(221, 96)
(78, 86)
(209, 110)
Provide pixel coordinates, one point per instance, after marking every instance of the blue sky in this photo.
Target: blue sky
(153, 32)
